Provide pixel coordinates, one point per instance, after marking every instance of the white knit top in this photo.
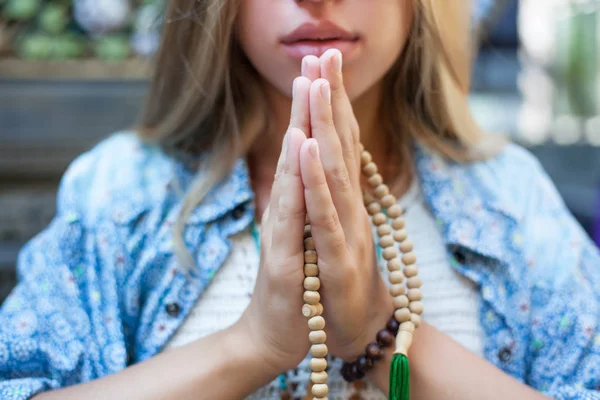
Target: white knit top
(451, 301)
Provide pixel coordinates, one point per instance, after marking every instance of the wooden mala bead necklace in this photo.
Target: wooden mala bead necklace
(406, 294)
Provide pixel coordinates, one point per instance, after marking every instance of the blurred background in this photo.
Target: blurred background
(73, 71)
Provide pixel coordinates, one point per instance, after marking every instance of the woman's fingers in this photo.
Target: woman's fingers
(267, 228)
(311, 67)
(300, 117)
(287, 164)
(343, 115)
(311, 70)
(325, 223)
(288, 214)
(323, 130)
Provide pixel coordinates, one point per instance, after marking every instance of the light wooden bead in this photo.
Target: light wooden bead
(311, 297)
(318, 350)
(396, 277)
(388, 200)
(375, 180)
(312, 283)
(373, 208)
(398, 223)
(310, 257)
(415, 319)
(319, 309)
(409, 258)
(316, 323)
(389, 253)
(395, 211)
(415, 295)
(402, 315)
(381, 191)
(307, 231)
(309, 243)
(311, 270)
(320, 390)
(379, 218)
(416, 307)
(386, 241)
(365, 158)
(309, 310)
(318, 377)
(414, 283)
(318, 364)
(406, 246)
(397, 290)
(400, 302)
(384, 229)
(394, 265)
(404, 339)
(407, 327)
(411, 270)
(317, 337)
(370, 169)
(400, 235)
(368, 198)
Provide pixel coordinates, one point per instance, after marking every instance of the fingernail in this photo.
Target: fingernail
(313, 148)
(326, 92)
(303, 69)
(337, 62)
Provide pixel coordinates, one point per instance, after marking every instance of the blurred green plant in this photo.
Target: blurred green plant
(112, 48)
(577, 70)
(20, 10)
(54, 18)
(50, 30)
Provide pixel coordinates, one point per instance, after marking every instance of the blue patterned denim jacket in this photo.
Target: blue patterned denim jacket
(100, 288)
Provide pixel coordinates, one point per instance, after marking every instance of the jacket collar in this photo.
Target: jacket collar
(233, 192)
(468, 205)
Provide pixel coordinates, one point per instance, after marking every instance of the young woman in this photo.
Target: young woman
(174, 266)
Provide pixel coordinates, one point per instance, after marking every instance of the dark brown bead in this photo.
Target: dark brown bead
(359, 385)
(357, 372)
(355, 396)
(374, 351)
(365, 363)
(347, 373)
(393, 325)
(385, 338)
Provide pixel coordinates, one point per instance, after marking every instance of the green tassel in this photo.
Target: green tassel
(399, 378)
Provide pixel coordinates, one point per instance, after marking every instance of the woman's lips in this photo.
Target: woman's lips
(302, 48)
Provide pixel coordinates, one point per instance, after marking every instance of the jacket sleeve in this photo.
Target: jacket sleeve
(564, 348)
(60, 325)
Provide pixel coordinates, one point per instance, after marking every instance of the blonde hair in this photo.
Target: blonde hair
(205, 98)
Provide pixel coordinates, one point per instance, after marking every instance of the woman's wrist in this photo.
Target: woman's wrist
(253, 351)
(231, 356)
(441, 368)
